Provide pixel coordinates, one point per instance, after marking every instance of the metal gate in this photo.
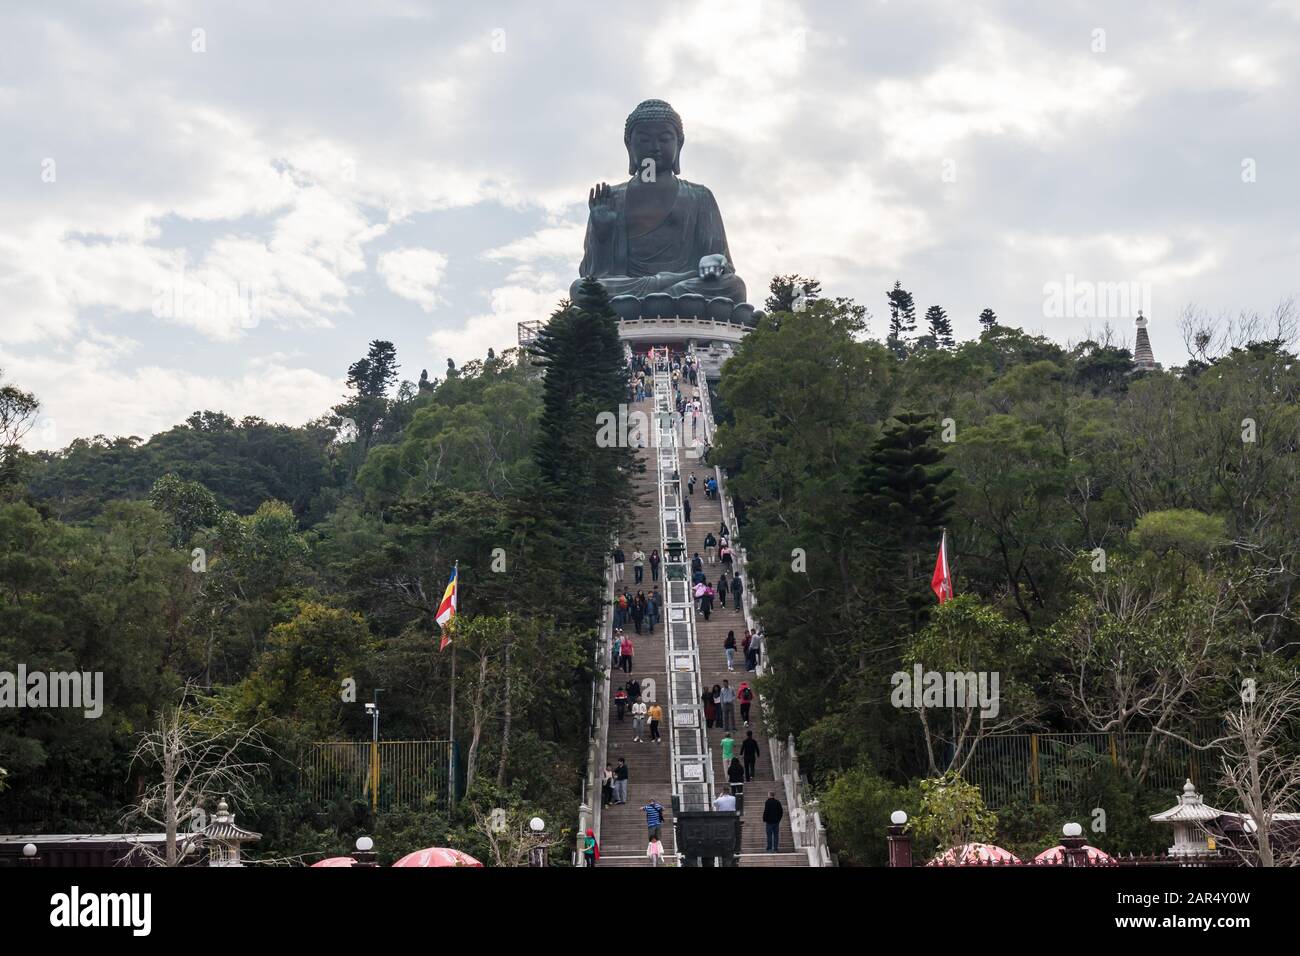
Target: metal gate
(1056, 768)
(389, 775)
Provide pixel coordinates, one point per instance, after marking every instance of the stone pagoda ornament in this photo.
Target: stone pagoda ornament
(224, 839)
(1189, 817)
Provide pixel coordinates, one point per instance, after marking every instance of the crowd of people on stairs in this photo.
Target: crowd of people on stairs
(639, 612)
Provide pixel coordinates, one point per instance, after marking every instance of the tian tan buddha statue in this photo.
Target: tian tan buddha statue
(656, 232)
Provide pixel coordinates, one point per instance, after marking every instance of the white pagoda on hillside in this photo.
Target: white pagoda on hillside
(1143, 358)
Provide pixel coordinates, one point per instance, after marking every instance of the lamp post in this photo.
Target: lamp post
(1072, 845)
(537, 854)
(365, 852)
(900, 843)
(372, 709)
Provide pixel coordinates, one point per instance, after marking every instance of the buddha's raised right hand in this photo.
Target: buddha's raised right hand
(601, 204)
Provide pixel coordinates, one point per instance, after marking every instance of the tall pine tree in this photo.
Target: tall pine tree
(988, 319)
(373, 375)
(940, 326)
(370, 378)
(583, 485)
(902, 317)
(904, 506)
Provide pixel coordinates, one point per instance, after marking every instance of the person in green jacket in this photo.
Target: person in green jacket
(728, 745)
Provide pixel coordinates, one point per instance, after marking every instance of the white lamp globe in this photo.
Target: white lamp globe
(898, 818)
(1072, 830)
(537, 824)
(29, 849)
(365, 844)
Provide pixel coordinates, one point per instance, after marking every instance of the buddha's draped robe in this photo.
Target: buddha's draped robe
(667, 258)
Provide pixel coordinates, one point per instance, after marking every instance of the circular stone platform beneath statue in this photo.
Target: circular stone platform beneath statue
(659, 317)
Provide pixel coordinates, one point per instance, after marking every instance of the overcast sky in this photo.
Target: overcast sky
(334, 173)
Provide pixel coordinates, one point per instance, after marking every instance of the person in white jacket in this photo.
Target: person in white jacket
(638, 719)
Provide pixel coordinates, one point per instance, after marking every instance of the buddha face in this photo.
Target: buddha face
(657, 142)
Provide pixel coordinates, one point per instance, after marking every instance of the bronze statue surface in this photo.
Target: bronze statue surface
(657, 232)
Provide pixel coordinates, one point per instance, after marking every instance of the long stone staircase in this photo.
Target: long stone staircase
(623, 828)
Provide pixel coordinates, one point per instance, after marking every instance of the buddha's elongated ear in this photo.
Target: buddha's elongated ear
(677, 157)
(631, 161)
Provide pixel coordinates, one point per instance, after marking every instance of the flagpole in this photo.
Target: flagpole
(952, 566)
(451, 731)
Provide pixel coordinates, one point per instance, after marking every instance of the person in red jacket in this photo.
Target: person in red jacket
(746, 698)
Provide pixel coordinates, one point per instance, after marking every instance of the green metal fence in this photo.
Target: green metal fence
(409, 773)
(1061, 768)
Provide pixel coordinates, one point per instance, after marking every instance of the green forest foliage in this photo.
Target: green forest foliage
(1123, 543)
(290, 571)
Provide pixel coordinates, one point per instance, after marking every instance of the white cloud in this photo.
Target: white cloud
(553, 242)
(1002, 83)
(528, 296)
(414, 274)
(85, 392)
(265, 169)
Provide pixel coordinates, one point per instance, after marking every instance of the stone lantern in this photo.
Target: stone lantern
(1189, 818)
(224, 838)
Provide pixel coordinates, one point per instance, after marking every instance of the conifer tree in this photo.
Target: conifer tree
(584, 485)
(988, 319)
(902, 317)
(370, 378)
(373, 375)
(940, 326)
(904, 504)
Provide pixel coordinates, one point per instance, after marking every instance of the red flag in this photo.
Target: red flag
(941, 580)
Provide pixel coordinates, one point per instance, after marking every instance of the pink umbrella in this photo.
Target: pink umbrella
(973, 853)
(1056, 854)
(336, 861)
(437, 856)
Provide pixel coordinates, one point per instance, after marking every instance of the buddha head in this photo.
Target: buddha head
(653, 131)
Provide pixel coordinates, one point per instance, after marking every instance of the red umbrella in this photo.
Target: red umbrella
(437, 856)
(336, 861)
